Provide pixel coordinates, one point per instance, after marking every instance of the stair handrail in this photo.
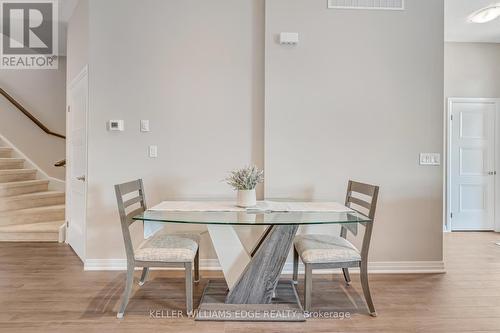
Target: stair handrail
(61, 163)
(29, 115)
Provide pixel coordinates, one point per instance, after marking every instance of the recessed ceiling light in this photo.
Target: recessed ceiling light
(486, 14)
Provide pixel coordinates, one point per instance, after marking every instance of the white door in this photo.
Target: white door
(76, 182)
(472, 163)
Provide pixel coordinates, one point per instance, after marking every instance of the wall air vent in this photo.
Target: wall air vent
(367, 4)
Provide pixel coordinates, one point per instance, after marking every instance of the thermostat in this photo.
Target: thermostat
(116, 125)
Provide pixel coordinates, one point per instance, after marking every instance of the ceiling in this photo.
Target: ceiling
(458, 29)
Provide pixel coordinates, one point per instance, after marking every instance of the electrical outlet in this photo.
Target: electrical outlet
(430, 159)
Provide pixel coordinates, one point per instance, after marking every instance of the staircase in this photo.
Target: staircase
(29, 211)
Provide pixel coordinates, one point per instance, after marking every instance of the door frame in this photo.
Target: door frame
(78, 78)
(448, 133)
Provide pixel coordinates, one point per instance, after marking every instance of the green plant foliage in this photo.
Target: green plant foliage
(246, 178)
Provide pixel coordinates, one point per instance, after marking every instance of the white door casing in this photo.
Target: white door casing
(471, 163)
(76, 173)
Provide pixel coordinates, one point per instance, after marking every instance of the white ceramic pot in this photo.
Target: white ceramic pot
(246, 198)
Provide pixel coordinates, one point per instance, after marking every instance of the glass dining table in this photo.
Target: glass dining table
(253, 290)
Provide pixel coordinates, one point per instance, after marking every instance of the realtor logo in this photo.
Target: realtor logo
(29, 34)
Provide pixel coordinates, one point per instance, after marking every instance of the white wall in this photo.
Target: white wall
(472, 70)
(41, 91)
(359, 98)
(78, 40)
(43, 94)
(195, 70)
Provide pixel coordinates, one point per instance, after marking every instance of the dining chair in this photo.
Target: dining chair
(320, 251)
(160, 250)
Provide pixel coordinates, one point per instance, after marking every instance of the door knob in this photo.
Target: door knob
(82, 178)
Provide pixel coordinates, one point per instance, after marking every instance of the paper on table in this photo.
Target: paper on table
(277, 206)
(262, 206)
(198, 206)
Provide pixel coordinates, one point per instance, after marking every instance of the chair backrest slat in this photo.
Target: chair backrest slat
(132, 201)
(133, 213)
(360, 202)
(130, 187)
(126, 218)
(362, 188)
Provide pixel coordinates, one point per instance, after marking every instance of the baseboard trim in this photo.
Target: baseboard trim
(388, 267)
(105, 265)
(62, 233)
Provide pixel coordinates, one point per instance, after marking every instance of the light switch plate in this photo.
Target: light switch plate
(145, 126)
(430, 159)
(153, 151)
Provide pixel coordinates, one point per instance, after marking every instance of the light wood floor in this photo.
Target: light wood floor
(43, 289)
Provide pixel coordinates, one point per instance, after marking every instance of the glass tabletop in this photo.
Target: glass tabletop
(251, 218)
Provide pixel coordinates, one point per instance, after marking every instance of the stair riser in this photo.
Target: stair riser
(7, 204)
(29, 237)
(5, 154)
(11, 165)
(17, 177)
(52, 215)
(5, 192)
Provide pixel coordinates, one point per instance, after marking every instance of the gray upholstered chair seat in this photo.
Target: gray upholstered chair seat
(168, 248)
(317, 248)
(167, 232)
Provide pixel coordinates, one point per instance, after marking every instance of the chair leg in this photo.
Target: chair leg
(308, 287)
(127, 291)
(189, 288)
(347, 277)
(366, 288)
(197, 267)
(295, 266)
(144, 276)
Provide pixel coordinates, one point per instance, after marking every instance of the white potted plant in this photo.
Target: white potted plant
(245, 181)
